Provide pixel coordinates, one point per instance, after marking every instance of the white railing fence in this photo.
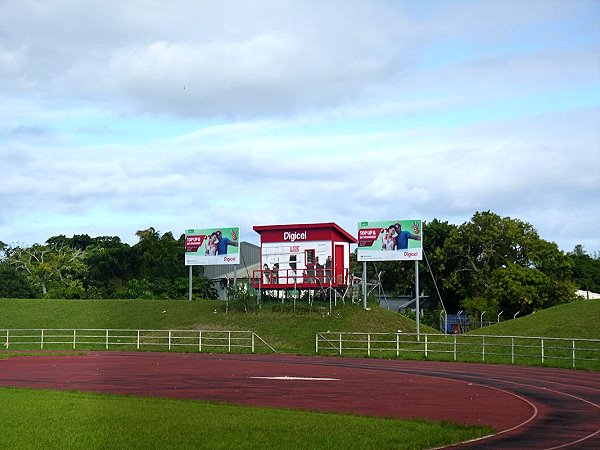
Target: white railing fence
(577, 353)
(105, 339)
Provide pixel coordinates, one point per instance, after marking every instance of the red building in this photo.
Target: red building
(303, 256)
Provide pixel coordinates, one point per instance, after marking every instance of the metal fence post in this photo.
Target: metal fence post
(229, 341)
(455, 347)
(253, 342)
(42, 340)
(542, 346)
(74, 338)
(512, 350)
(7, 338)
(170, 338)
(137, 344)
(200, 341)
(317, 343)
(397, 345)
(368, 344)
(483, 348)
(107, 339)
(425, 345)
(573, 353)
(340, 344)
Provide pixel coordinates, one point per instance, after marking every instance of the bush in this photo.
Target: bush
(242, 298)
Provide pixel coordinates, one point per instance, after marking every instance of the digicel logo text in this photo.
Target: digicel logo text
(229, 258)
(294, 236)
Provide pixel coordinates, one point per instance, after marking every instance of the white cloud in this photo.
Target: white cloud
(300, 111)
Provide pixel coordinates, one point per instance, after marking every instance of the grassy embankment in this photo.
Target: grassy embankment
(286, 332)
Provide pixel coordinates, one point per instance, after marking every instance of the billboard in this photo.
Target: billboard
(391, 240)
(212, 246)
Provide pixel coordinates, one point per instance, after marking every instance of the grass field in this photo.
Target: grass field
(48, 419)
(68, 420)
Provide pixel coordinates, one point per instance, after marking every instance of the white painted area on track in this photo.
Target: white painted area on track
(296, 378)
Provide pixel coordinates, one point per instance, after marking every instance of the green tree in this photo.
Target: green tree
(503, 263)
(435, 268)
(586, 269)
(111, 265)
(49, 264)
(161, 256)
(15, 283)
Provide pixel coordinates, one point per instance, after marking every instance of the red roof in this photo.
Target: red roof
(313, 226)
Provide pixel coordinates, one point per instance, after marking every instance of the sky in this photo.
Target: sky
(117, 116)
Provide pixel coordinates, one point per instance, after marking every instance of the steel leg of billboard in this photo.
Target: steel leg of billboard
(235, 271)
(190, 285)
(417, 303)
(364, 284)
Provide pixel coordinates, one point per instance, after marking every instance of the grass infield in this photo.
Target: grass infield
(67, 420)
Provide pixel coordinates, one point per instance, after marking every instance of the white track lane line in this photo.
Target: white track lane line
(296, 378)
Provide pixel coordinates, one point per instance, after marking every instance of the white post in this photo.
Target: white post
(542, 344)
(512, 350)
(483, 348)
(455, 347)
(137, 345)
(42, 340)
(74, 339)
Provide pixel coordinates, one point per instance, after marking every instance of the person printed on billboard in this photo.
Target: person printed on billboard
(389, 240)
(402, 237)
(211, 245)
(224, 242)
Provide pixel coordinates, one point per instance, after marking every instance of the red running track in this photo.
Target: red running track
(530, 408)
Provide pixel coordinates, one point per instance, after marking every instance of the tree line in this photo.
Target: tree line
(493, 264)
(489, 263)
(84, 267)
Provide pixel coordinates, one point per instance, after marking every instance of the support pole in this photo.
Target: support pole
(235, 271)
(190, 284)
(417, 299)
(364, 284)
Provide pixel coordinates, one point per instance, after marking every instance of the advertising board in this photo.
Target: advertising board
(212, 246)
(391, 240)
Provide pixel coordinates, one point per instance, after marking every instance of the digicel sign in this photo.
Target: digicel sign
(299, 234)
(294, 236)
